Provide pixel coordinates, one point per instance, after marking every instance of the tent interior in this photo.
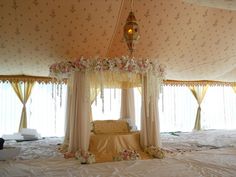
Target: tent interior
(71, 92)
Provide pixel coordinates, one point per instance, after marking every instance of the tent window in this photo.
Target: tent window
(44, 113)
(112, 102)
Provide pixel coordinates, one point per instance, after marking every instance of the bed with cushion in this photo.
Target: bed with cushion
(203, 153)
(111, 137)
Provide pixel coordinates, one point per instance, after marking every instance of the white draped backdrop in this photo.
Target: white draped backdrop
(178, 114)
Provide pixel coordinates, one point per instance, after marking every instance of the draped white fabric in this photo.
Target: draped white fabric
(178, 109)
(150, 128)
(46, 111)
(68, 105)
(218, 108)
(78, 112)
(127, 110)
(10, 109)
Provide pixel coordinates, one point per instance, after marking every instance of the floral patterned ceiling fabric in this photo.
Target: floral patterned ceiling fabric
(221, 4)
(193, 40)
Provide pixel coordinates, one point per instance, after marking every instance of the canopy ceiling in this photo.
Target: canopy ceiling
(195, 39)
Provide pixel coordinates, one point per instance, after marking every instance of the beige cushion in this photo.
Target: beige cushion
(110, 126)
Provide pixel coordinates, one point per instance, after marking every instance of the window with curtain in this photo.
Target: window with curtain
(45, 113)
(46, 109)
(177, 109)
(219, 108)
(10, 109)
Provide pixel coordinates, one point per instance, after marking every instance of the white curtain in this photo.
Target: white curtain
(234, 88)
(178, 114)
(46, 109)
(127, 110)
(150, 130)
(44, 113)
(10, 109)
(178, 108)
(78, 112)
(218, 108)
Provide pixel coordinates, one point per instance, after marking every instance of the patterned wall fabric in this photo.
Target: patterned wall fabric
(195, 42)
(222, 4)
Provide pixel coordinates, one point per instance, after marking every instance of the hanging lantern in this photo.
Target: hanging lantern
(131, 32)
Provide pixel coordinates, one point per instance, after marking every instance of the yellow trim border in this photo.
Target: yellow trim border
(40, 79)
(197, 83)
(26, 78)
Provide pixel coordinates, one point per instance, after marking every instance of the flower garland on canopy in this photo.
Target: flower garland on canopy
(64, 69)
(120, 65)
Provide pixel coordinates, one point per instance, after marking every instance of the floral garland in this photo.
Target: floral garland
(85, 157)
(127, 155)
(122, 64)
(155, 152)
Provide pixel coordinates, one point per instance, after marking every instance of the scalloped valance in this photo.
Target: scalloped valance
(178, 83)
(25, 78)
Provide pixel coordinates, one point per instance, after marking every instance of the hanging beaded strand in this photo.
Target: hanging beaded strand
(52, 90)
(110, 99)
(61, 94)
(96, 94)
(58, 89)
(102, 97)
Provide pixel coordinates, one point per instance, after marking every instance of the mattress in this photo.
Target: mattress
(204, 153)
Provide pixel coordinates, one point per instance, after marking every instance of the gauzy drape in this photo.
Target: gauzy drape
(198, 92)
(67, 120)
(234, 88)
(23, 96)
(150, 129)
(127, 110)
(93, 95)
(78, 112)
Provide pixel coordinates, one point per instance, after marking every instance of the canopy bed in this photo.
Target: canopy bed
(88, 76)
(172, 33)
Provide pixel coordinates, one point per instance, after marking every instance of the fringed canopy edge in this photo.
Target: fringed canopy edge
(26, 78)
(197, 83)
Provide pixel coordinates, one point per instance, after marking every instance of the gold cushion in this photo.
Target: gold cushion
(110, 126)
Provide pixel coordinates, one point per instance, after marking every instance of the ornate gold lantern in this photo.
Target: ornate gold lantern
(131, 32)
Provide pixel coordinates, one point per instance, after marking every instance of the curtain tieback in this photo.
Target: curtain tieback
(199, 107)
